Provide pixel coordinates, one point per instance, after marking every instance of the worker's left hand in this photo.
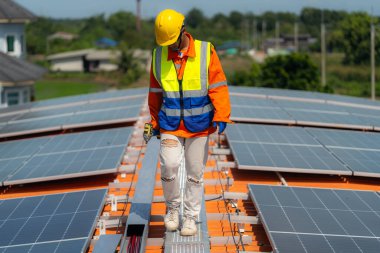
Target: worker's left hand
(221, 126)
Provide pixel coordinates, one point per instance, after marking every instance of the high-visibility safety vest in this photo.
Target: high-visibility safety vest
(185, 99)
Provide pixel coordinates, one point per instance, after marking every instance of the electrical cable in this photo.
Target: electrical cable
(226, 207)
(228, 213)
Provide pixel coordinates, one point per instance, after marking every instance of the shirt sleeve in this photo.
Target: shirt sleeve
(154, 99)
(218, 90)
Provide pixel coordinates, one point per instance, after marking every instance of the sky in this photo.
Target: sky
(86, 8)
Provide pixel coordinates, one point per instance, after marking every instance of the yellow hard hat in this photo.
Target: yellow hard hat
(168, 27)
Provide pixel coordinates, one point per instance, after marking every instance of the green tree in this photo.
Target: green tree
(356, 34)
(195, 18)
(247, 78)
(295, 71)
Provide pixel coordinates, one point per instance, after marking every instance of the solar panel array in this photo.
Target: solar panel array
(72, 112)
(318, 220)
(303, 108)
(62, 156)
(359, 150)
(60, 223)
(279, 148)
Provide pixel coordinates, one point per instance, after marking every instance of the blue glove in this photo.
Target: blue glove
(156, 132)
(221, 125)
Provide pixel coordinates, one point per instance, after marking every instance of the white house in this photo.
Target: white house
(13, 18)
(93, 60)
(17, 76)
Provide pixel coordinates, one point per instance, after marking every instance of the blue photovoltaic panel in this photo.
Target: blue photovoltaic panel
(241, 101)
(306, 106)
(6, 118)
(16, 109)
(346, 139)
(74, 155)
(363, 111)
(329, 119)
(318, 220)
(38, 115)
(287, 158)
(34, 126)
(369, 120)
(21, 148)
(51, 223)
(269, 134)
(125, 103)
(252, 114)
(103, 117)
(8, 166)
(348, 99)
(87, 140)
(361, 162)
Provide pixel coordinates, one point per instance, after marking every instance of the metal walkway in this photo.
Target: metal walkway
(200, 242)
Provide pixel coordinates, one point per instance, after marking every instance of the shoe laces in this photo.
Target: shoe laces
(172, 214)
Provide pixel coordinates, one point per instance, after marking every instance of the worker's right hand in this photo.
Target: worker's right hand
(149, 132)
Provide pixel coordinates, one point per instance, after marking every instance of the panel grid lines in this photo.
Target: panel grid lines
(343, 218)
(56, 221)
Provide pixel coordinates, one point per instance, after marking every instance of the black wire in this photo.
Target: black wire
(240, 235)
(129, 190)
(228, 213)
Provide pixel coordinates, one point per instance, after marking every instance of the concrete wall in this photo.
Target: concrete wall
(73, 64)
(16, 30)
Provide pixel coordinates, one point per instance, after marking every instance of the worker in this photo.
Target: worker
(188, 101)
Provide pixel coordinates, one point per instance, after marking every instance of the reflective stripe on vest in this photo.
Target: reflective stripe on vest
(196, 106)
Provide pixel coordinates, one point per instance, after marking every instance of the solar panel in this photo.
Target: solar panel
(332, 119)
(109, 116)
(269, 134)
(370, 120)
(87, 140)
(21, 148)
(348, 99)
(83, 99)
(287, 158)
(363, 111)
(34, 126)
(361, 162)
(258, 114)
(74, 155)
(50, 223)
(6, 118)
(249, 102)
(346, 139)
(8, 166)
(300, 219)
(132, 102)
(38, 115)
(313, 107)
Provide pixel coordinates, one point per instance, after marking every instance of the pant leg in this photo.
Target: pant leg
(196, 153)
(170, 160)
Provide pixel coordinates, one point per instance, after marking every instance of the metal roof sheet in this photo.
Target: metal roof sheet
(12, 12)
(14, 71)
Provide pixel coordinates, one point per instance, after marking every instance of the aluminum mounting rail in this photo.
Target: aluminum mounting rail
(139, 214)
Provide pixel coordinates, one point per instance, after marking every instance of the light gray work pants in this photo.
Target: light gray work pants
(196, 153)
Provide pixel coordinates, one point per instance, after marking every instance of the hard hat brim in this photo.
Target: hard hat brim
(166, 42)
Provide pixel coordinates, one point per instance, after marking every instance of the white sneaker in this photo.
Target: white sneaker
(188, 227)
(172, 220)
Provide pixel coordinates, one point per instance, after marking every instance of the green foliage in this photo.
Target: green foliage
(128, 66)
(247, 78)
(195, 18)
(356, 34)
(295, 71)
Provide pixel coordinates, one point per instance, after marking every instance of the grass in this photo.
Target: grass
(46, 89)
